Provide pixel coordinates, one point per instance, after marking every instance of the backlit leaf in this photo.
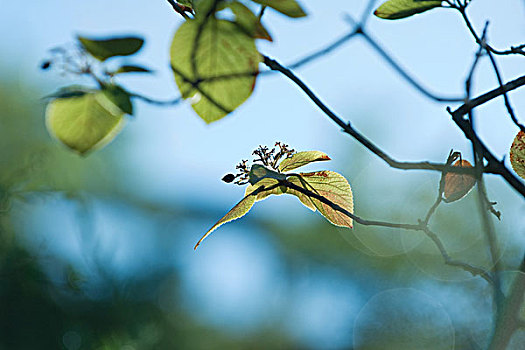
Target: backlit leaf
(120, 97)
(239, 210)
(85, 122)
(215, 65)
(289, 8)
(331, 186)
(517, 154)
(249, 21)
(131, 69)
(103, 49)
(458, 185)
(300, 159)
(328, 184)
(396, 9)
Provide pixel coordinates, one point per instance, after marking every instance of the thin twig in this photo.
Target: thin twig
(178, 9)
(462, 8)
(510, 111)
(397, 67)
(153, 101)
(487, 225)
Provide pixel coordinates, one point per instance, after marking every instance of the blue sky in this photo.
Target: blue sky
(172, 155)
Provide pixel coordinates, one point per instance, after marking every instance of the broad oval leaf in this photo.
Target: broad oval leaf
(300, 159)
(396, 9)
(517, 154)
(85, 122)
(458, 186)
(215, 64)
(331, 186)
(289, 8)
(238, 211)
(103, 49)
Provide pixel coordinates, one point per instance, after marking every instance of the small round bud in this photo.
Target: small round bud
(228, 178)
(45, 65)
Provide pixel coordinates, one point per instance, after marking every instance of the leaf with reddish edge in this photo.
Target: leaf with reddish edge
(333, 187)
(517, 154)
(300, 159)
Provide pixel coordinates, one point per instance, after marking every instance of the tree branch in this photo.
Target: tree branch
(347, 128)
(421, 226)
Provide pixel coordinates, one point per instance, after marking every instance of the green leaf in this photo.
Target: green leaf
(131, 69)
(188, 3)
(396, 9)
(84, 123)
(70, 91)
(517, 154)
(239, 210)
(458, 186)
(120, 97)
(289, 8)
(250, 23)
(215, 64)
(268, 182)
(204, 9)
(331, 186)
(300, 159)
(103, 49)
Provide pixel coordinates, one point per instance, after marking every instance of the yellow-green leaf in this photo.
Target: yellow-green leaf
(396, 9)
(300, 159)
(289, 8)
(457, 185)
(215, 65)
(239, 210)
(84, 122)
(517, 154)
(331, 186)
(103, 49)
(131, 69)
(120, 97)
(249, 21)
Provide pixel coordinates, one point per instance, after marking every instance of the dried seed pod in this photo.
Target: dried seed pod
(458, 185)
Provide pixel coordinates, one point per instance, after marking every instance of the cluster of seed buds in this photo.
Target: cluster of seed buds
(269, 158)
(241, 177)
(68, 60)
